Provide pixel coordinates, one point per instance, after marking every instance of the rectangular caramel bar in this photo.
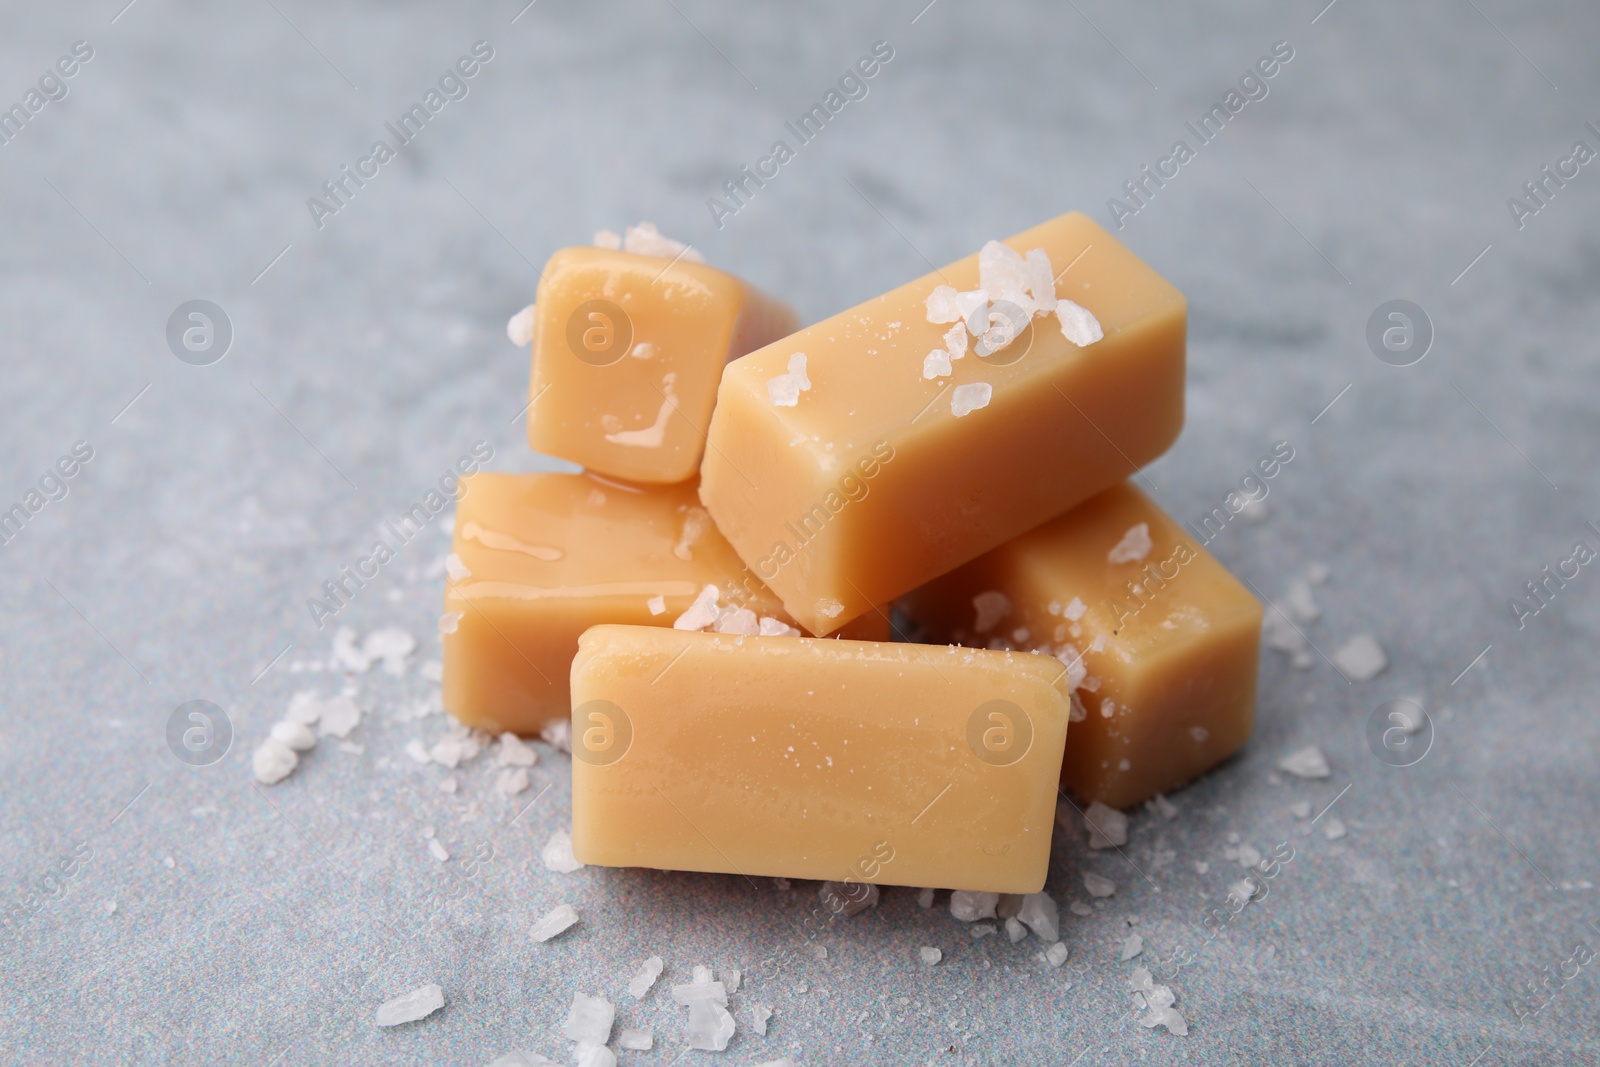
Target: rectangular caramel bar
(1161, 641)
(627, 353)
(854, 761)
(844, 477)
(540, 558)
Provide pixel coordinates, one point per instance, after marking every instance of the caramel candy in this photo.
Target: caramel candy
(853, 761)
(540, 558)
(1161, 643)
(844, 477)
(627, 353)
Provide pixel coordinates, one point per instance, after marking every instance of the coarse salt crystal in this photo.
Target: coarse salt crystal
(519, 328)
(1134, 546)
(418, 751)
(1098, 885)
(1108, 827)
(558, 735)
(557, 854)
(737, 621)
(1300, 604)
(1078, 907)
(1361, 658)
(1041, 279)
(449, 621)
(431, 670)
(589, 1019)
(608, 239)
(848, 900)
(272, 762)
(759, 1014)
(936, 364)
(1056, 954)
(657, 605)
(955, 340)
(645, 240)
(296, 735)
(770, 627)
(965, 399)
(440, 853)
(990, 607)
(1333, 829)
(1078, 323)
(515, 752)
(556, 921)
(636, 1039)
(941, 305)
(340, 715)
(784, 389)
(1308, 762)
(417, 1004)
(1040, 914)
(512, 781)
(645, 977)
(589, 1054)
(1074, 610)
(968, 907)
(1301, 809)
(702, 613)
(1015, 931)
(930, 955)
(1131, 946)
(455, 568)
(1162, 807)
(925, 898)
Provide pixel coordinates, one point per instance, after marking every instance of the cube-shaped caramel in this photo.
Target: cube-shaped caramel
(1160, 642)
(627, 353)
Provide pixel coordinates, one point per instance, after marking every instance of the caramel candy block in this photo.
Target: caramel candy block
(540, 558)
(861, 457)
(627, 353)
(1161, 642)
(851, 761)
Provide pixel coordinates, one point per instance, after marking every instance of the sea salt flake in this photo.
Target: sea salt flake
(589, 1019)
(965, 399)
(417, 1004)
(519, 328)
(556, 921)
(1056, 954)
(1098, 885)
(979, 931)
(657, 605)
(345, 652)
(515, 752)
(930, 955)
(1107, 826)
(770, 627)
(969, 907)
(1333, 829)
(296, 735)
(702, 613)
(941, 305)
(557, 853)
(1078, 323)
(936, 364)
(1134, 546)
(955, 341)
(784, 390)
(848, 900)
(1040, 913)
(635, 1039)
(1361, 658)
(1308, 762)
(1132, 945)
(272, 762)
(990, 608)
(1041, 280)
(645, 977)
(759, 1014)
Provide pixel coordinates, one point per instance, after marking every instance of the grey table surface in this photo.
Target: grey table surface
(264, 926)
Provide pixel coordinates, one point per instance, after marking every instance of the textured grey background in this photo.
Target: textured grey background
(1378, 167)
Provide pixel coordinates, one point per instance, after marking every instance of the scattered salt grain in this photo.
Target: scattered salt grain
(557, 854)
(941, 305)
(646, 977)
(589, 1019)
(702, 613)
(965, 399)
(784, 389)
(1249, 856)
(558, 920)
(635, 1039)
(296, 735)
(1015, 931)
(930, 955)
(520, 1058)
(1078, 323)
(770, 627)
(608, 239)
(1074, 610)
(969, 907)
(936, 364)
(514, 752)
(340, 715)
(1162, 807)
(848, 900)
(657, 605)
(1300, 604)
(272, 762)
(979, 931)
(955, 341)
(759, 1014)
(108, 908)
(1056, 954)
(345, 652)
(1301, 809)
(169, 863)
(558, 735)
(1361, 658)
(418, 751)
(440, 853)
(589, 1054)
(519, 328)
(1040, 913)
(449, 621)
(990, 607)
(1132, 945)
(1078, 907)
(1098, 885)
(1134, 546)
(645, 240)
(737, 621)
(417, 1004)
(449, 785)
(710, 1025)
(1308, 762)
(455, 568)
(1156, 1001)
(1333, 829)
(1107, 827)
(925, 898)
(512, 781)
(1243, 891)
